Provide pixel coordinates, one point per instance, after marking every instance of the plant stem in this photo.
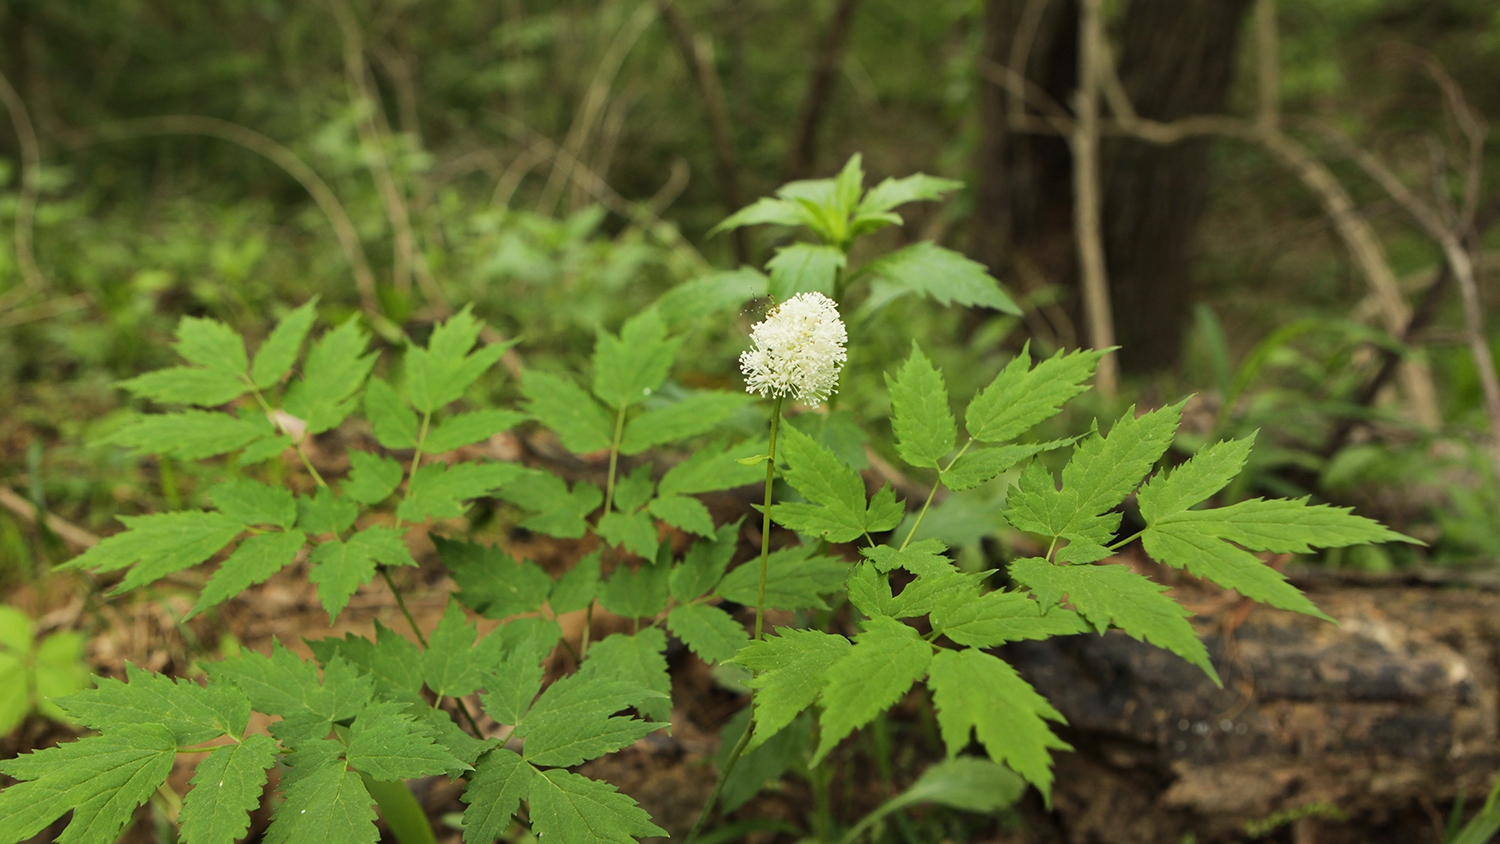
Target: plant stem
(416, 456)
(614, 461)
(401, 603)
(765, 530)
(265, 407)
(729, 763)
(922, 514)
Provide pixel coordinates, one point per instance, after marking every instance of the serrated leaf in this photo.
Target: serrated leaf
(629, 368)
(264, 449)
(501, 780)
(463, 429)
(193, 713)
(212, 344)
(980, 465)
(389, 745)
(1286, 526)
(639, 593)
(580, 422)
(59, 669)
(764, 210)
(1207, 472)
(683, 513)
(578, 586)
(1106, 595)
(449, 666)
(190, 435)
(709, 631)
(254, 561)
(796, 580)
(887, 658)
(1021, 396)
(335, 369)
(490, 581)
(920, 416)
(511, 688)
(837, 508)
(638, 660)
(697, 414)
(976, 693)
(572, 809)
(942, 275)
(254, 503)
(689, 303)
(564, 745)
(283, 684)
(572, 720)
(226, 787)
(918, 187)
(274, 358)
(394, 421)
(634, 490)
(440, 373)
(805, 268)
(372, 478)
(392, 662)
(340, 567)
(560, 512)
(790, 672)
(189, 385)
(712, 469)
(920, 558)
(870, 592)
(329, 803)
(703, 566)
(101, 779)
(995, 618)
(158, 545)
(444, 491)
(635, 532)
(1205, 555)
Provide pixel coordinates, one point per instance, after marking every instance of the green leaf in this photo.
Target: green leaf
(394, 421)
(805, 268)
(837, 511)
(1106, 595)
(449, 666)
(571, 722)
(254, 503)
(274, 358)
(325, 512)
(942, 275)
(629, 368)
(1021, 396)
(335, 369)
(790, 671)
(976, 693)
(188, 385)
(870, 592)
(443, 491)
(328, 803)
(1285, 526)
(560, 512)
(339, 568)
(703, 566)
(638, 660)
(190, 435)
(920, 558)
(263, 450)
(635, 532)
(372, 478)
(392, 662)
(687, 514)
(893, 193)
(709, 631)
(796, 580)
(191, 712)
(159, 545)
(712, 469)
(697, 414)
(390, 745)
(512, 687)
(578, 586)
(254, 561)
(283, 684)
(440, 373)
(764, 210)
(641, 593)
(634, 490)
(763, 766)
(980, 465)
(573, 809)
(464, 429)
(212, 344)
(1205, 555)
(580, 423)
(563, 745)
(976, 785)
(494, 793)
(490, 581)
(1207, 472)
(995, 618)
(887, 658)
(101, 780)
(59, 670)
(689, 303)
(920, 416)
(226, 787)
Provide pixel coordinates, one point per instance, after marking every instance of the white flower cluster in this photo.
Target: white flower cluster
(797, 350)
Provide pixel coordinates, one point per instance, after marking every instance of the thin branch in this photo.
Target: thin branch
(1268, 66)
(1087, 229)
(212, 127)
(31, 170)
(43, 310)
(64, 529)
(1020, 59)
(803, 155)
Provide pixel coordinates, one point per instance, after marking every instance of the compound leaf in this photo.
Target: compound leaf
(892, 193)
(995, 618)
(190, 435)
(764, 210)
(920, 416)
(340, 567)
(283, 684)
(394, 421)
(189, 385)
(579, 421)
(635, 532)
(559, 512)
(790, 671)
(639, 593)
(449, 665)
(684, 513)
(1205, 555)
(712, 469)
(372, 478)
(158, 545)
(442, 491)
(501, 780)
(491, 582)
(1207, 472)
(981, 465)
(390, 745)
(439, 374)
(274, 358)
(325, 512)
(629, 368)
(703, 566)
(697, 414)
(709, 631)
(1286, 526)
(226, 787)
(638, 660)
(335, 369)
(578, 586)
(796, 579)
(192, 713)
(254, 561)
(1021, 396)
(329, 803)
(573, 809)
(887, 658)
(254, 503)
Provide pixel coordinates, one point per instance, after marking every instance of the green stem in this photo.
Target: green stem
(922, 514)
(729, 763)
(765, 529)
(416, 457)
(265, 407)
(401, 603)
(614, 461)
(1126, 541)
(588, 626)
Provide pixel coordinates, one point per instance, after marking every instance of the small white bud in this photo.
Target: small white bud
(798, 350)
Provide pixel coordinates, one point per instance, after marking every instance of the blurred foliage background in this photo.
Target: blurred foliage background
(559, 164)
